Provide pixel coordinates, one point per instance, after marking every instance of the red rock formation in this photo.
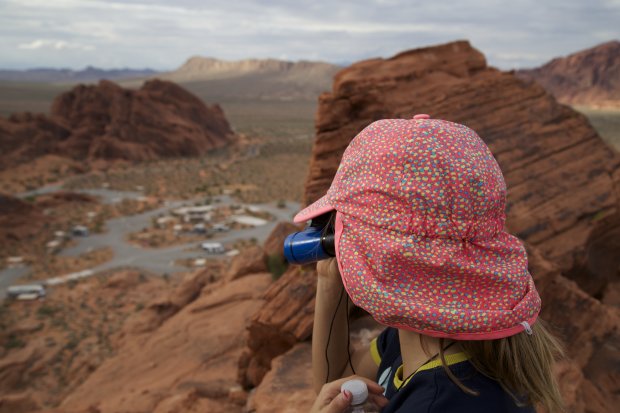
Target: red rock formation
(543, 148)
(286, 318)
(250, 261)
(107, 122)
(188, 364)
(49, 347)
(288, 386)
(274, 242)
(561, 180)
(590, 77)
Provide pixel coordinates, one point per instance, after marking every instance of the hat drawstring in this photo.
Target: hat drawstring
(527, 328)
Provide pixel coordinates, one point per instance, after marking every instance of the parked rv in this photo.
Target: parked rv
(29, 291)
(213, 247)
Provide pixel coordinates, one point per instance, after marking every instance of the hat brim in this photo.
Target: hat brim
(478, 291)
(319, 207)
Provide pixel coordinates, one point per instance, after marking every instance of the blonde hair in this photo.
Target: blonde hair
(522, 364)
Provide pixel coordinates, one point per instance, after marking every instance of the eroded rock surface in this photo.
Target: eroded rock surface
(590, 77)
(187, 364)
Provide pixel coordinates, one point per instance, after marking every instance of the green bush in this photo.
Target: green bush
(46, 311)
(14, 342)
(276, 265)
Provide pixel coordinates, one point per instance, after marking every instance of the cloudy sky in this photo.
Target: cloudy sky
(162, 34)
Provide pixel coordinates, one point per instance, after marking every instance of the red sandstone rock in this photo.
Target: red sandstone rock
(288, 386)
(590, 77)
(250, 261)
(49, 347)
(589, 329)
(21, 403)
(162, 308)
(597, 267)
(274, 242)
(192, 402)
(187, 364)
(285, 319)
(107, 122)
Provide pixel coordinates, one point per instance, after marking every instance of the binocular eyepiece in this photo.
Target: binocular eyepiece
(314, 243)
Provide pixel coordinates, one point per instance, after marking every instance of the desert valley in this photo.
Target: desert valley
(152, 207)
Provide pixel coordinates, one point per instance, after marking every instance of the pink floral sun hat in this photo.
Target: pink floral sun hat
(420, 239)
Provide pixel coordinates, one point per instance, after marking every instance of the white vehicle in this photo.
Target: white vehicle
(213, 247)
(220, 228)
(80, 231)
(29, 291)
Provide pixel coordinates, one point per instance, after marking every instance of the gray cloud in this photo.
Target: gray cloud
(162, 34)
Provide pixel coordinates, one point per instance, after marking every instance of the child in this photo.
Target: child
(418, 209)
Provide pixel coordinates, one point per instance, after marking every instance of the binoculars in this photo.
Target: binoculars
(314, 243)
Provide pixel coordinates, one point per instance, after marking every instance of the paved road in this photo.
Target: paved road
(157, 260)
(107, 196)
(161, 260)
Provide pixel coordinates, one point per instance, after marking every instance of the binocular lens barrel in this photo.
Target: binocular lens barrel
(308, 246)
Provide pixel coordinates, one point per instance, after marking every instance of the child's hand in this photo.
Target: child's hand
(329, 276)
(332, 400)
(328, 269)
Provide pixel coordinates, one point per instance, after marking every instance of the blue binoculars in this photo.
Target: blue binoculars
(314, 243)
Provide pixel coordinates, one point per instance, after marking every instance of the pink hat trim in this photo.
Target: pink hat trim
(309, 212)
(439, 334)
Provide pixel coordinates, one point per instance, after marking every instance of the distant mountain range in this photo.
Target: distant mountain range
(89, 74)
(589, 77)
(209, 78)
(261, 79)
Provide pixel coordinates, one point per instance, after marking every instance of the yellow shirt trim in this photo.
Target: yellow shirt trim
(450, 360)
(374, 352)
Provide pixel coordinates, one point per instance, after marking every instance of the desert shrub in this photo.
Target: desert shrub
(276, 265)
(14, 342)
(73, 342)
(46, 311)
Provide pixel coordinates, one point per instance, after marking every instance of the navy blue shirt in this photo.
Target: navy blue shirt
(430, 390)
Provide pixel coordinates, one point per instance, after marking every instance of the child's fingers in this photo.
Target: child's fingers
(328, 268)
(332, 400)
(373, 388)
(378, 400)
(338, 404)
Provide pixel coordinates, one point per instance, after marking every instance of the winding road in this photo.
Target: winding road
(157, 260)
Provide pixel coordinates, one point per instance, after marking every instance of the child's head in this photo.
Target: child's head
(419, 232)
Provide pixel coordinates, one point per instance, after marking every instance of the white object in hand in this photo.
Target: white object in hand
(359, 395)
